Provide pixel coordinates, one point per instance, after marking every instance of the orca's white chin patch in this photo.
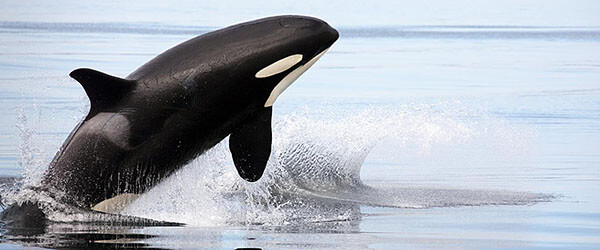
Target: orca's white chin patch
(290, 78)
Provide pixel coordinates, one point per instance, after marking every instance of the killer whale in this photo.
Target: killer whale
(143, 127)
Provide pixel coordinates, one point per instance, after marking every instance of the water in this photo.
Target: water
(427, 125)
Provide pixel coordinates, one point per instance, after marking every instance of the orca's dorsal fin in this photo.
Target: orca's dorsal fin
(102, 89)
(250, 145)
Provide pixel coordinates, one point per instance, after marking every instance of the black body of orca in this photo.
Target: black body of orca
(142, 128)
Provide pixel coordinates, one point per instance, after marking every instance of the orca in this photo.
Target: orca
(143, 127)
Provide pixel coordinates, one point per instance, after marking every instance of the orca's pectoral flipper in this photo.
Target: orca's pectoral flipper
(102, 89)
(250, 145)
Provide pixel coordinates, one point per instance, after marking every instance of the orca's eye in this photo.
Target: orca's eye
(279, 66)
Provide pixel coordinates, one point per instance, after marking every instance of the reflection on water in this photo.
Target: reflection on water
(78, 237)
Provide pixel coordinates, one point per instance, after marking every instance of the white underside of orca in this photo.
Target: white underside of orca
(115, 204)
(290, 78)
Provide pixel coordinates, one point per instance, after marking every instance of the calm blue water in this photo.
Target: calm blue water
(459, 117)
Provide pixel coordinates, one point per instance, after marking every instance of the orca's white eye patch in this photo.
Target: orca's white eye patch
(290, 78)
(279, 66)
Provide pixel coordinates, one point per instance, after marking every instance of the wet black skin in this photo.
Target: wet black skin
(184, 101)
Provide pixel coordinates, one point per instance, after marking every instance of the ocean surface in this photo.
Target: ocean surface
(426, 125)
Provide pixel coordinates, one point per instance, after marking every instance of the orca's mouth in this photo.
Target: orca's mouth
(322, 50)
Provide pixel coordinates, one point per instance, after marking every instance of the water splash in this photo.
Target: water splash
(29, 155)
(314, 171)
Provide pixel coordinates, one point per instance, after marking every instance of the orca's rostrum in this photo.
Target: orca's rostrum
(143, 127)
